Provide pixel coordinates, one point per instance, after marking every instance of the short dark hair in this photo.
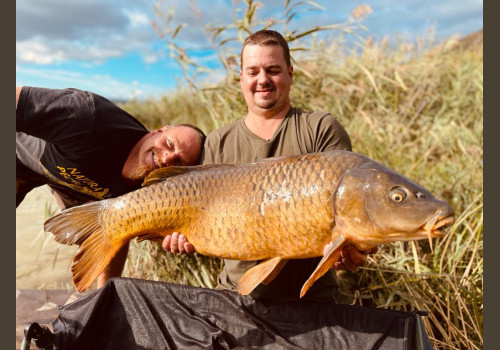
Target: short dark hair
(268, 37)
(201, 134)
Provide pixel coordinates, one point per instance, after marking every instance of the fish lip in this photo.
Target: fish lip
(442, 225)
(445, 222)
(437, 225)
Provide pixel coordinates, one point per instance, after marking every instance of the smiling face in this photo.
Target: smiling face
(168, 146)
(265, 79)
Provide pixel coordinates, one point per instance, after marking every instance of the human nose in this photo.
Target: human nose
(262, 78)
(169, 158)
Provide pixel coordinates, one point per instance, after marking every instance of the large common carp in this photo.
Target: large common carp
(272, 210)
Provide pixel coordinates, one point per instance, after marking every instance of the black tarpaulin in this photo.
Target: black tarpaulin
(139, 314)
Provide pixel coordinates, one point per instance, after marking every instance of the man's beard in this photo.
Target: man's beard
(266, 105)
(138, 175)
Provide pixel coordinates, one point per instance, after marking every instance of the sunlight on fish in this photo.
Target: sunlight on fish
(259, 211)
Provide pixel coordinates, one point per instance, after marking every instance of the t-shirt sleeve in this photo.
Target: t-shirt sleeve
(331, 135)
(211, 150)
(56, 116)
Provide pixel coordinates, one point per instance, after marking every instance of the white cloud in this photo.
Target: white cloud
(153, 55)
(102, 84)
(41, 51)
(54, 31)
(36, 52)
(61, 76)
(137, 18)
(413, 17)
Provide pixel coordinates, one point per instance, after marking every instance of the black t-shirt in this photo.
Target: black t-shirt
(75, 141)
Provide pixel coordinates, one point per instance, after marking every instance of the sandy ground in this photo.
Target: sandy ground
(41, 263)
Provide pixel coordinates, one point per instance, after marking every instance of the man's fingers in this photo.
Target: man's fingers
(349, 265)
(181, 243)
(189, 248)
(177, 243)
(174, 243)
(351, 258)
(354, 257)
(339, 265)
(166, 243)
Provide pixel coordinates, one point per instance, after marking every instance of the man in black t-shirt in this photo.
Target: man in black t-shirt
(85, 148)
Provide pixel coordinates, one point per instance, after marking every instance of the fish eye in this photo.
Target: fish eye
(398, 194)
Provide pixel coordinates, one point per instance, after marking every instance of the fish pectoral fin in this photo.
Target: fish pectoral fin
(162, 174)
(325, 264)
(275, 272)
(266, 271)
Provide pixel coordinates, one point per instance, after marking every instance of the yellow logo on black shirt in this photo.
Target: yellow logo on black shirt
(75, 180)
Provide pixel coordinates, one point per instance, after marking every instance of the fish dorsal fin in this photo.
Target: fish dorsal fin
(325, 264)
(161, 174)
(263, 272)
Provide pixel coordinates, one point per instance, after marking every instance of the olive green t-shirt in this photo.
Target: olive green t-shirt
(299, 132)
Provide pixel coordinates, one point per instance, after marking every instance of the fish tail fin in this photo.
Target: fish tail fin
(81, 225)
(325, 264)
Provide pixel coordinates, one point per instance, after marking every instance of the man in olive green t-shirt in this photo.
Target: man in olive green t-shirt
(273, 128)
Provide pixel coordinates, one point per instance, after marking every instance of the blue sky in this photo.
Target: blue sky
(110, 46)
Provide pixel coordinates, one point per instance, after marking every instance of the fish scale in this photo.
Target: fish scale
(264, 208)
(275, 209)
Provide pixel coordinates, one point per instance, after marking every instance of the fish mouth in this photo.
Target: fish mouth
(441, 225)
(437, 225)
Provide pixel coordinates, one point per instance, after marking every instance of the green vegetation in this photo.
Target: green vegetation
(415, 107)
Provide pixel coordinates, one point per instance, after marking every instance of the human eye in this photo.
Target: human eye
(252, 72)
(274, 71)
(170, 143)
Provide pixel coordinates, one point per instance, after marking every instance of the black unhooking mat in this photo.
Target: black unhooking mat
(139, 314)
